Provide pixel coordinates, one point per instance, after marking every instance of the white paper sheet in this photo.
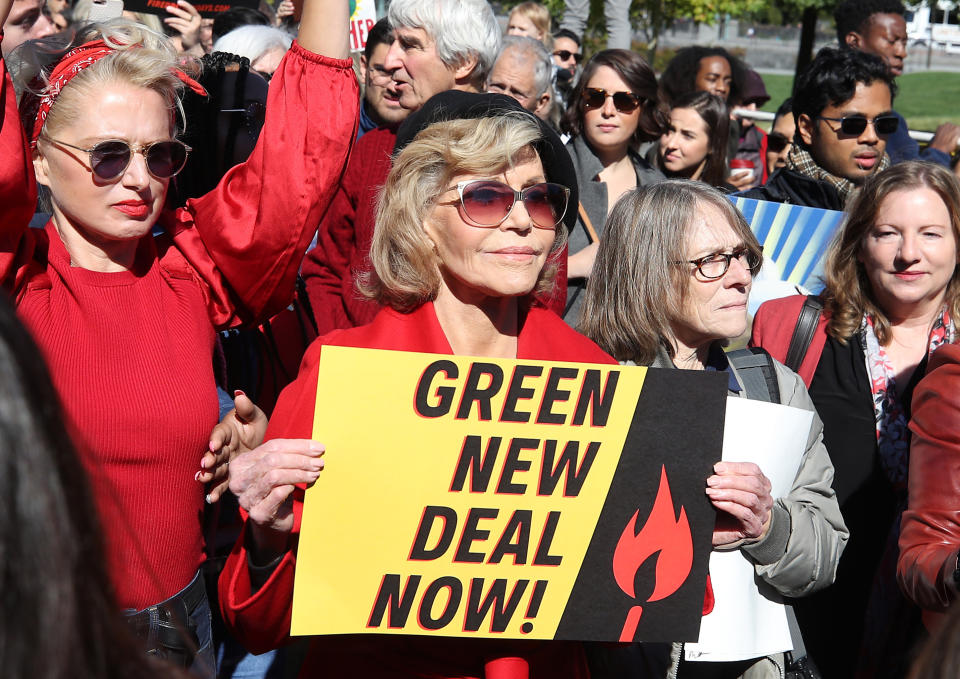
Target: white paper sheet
(748, 619)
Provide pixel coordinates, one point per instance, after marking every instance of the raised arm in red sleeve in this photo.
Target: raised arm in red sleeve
(246, 238)
(18, 190)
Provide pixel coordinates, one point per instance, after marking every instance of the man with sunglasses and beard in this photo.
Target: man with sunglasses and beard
(843, 109)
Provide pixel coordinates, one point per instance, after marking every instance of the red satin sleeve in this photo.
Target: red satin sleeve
(246, 238)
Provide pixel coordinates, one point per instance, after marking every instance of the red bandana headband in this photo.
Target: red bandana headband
(66, 69)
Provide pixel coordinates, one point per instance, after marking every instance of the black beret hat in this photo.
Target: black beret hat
(457, 105)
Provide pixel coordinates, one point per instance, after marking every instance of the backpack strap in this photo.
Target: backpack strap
(756, 373)
(803, 332)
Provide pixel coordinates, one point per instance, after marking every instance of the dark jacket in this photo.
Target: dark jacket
(593, 197)
(788, 186)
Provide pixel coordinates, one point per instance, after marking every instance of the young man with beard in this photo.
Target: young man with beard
(843, 107)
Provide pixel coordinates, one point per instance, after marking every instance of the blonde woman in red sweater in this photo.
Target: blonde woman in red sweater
(126, 318)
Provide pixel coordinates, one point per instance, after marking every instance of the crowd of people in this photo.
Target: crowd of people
(192, 208)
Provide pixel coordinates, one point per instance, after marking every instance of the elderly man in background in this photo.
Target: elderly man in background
(524, 71)
(437, 45)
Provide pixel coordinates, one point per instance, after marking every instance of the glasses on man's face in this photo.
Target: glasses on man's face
(776, 142)
(855, 125)
(566, 55)
(110, 159)
(715, 265)
(625, 102)
(487, 203)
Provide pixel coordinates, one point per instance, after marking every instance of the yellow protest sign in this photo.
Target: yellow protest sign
(493, 498)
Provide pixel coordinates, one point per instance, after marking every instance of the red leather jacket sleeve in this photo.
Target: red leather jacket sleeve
(930, 530)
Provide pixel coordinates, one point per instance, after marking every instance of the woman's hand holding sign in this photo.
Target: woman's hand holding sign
(741, 493)
(263, 480)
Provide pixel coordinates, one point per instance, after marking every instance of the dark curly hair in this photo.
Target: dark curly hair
(641, 80)
(680, 76)
(832, 79)
(852, 16)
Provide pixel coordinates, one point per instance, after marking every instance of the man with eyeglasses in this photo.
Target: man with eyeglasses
(28, 20)
(381, 102)
(524, 71)
(843, 110)
(878, 27)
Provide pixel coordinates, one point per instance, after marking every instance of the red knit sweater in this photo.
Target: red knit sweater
(131, 352)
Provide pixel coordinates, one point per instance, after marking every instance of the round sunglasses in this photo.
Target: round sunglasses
(566, 54)
(110, 159)
(487, 203)
(625, 102)
(855, 125)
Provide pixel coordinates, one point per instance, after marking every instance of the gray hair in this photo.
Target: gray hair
(460, 28)
(528, 49)
(253, 41)
(636, 290)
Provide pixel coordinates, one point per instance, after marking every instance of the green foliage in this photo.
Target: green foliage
(925, 99)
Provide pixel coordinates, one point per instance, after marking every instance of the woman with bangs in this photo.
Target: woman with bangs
(125, 318)
(613, 110)
(473, 214)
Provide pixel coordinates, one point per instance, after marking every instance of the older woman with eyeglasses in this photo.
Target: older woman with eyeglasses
(473, 215)
(124, 296)
(669, 289)
(612, 110)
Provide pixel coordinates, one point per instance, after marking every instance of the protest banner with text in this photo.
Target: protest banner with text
(508, 498)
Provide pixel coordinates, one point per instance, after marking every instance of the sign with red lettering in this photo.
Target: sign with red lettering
(499, 498)
(363, 16)
(206, 9)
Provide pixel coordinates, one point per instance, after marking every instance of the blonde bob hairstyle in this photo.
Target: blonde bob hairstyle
(143, 58)
(848, 294)
(406, 269)
(640, 279)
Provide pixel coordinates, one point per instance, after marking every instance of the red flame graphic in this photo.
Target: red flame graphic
(663, 533)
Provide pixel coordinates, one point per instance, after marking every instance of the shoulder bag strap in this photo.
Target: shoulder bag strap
(756, 373)
(588, 224)
(804, 331)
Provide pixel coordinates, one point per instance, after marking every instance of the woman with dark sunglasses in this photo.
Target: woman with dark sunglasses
(613, 110)
(669, 290)
(126, 318)
(891, 300)
(474, 212)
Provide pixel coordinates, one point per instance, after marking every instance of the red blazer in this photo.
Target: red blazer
(773, 327)
(930, 529)
(261, 621)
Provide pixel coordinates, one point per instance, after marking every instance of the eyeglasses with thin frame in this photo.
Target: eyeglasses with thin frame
(110, 159)
(625, 102)
(856, 124)
(715, 265)
(487, 202)
(776, 142)
(566, 54)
